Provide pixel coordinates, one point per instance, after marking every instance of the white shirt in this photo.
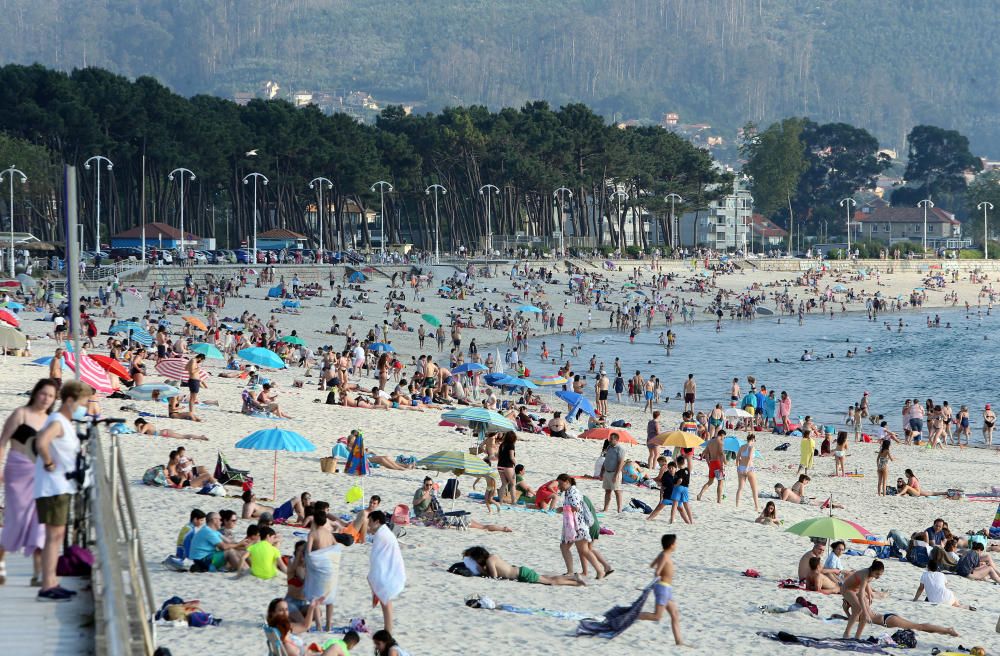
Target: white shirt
(63, 450)
(833, 562)
(936, 587)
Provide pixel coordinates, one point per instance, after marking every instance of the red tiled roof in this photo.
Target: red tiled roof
(905, 215)
(155, 230)
(280, 233)
(764, 228)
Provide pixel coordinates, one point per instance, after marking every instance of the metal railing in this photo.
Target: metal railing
(123, 594)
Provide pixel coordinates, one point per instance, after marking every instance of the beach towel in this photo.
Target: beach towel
(386, 573)
(841, 644)
(615, 620)
(323, 573)
(995, 529)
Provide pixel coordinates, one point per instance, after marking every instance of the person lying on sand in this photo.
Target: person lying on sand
(496, 567)
(786, 494)
(143, 427)
(894, 621)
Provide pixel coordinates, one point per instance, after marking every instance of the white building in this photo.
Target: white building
(724, 225)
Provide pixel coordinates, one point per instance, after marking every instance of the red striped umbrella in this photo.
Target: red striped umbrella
(111, 365)
(90, 372)
(176, 369)
(10, 318)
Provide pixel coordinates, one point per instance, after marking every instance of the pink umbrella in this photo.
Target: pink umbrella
(176, 368)
(90, 372)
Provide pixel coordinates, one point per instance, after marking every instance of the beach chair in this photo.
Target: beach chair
(274, 644)
(227, 475)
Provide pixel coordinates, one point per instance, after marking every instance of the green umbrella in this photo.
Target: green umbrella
(830, 528)
(208, 350)
(292, 339)
(456, 462)
(431, 319)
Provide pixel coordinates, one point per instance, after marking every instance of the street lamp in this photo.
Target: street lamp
(619, 194)
(559, 194)
(925, 203)
(489, 223)
(97, 227)
(674, 228)
(985, 205)
(170, 176)
(848, 203)
(382, 184)
(437, 223)
(319, 213)
(10, 173)
(255, 176)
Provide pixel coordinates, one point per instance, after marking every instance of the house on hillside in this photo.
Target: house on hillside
(880, 221)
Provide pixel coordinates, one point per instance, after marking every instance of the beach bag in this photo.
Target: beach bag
(328, 465)
(641, 505)
(75, 561)
(905, 638)
(451, 490)
(401, 515)
(155, 476)
(460, 569)
(783, 446)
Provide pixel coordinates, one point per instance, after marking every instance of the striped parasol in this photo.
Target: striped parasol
(176, 369)
(111, 365)
(551, 380)
(90, 372)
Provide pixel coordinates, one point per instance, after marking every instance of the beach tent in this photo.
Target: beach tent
(274, 292)
(357, 276)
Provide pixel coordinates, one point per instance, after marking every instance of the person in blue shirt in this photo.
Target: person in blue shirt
(210, 549)
(935, 533)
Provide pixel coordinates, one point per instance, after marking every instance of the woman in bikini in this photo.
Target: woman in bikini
(745, 470)
(882, 465)
(857, 592)
(840, 454)
(770, 515)
(989, 421)
(143, 427)
(894, 621)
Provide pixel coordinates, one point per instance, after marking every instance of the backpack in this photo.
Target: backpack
(155, 476)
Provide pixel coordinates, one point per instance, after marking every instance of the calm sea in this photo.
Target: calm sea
(953, 364)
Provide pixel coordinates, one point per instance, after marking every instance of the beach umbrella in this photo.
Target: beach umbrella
(89, 372)
(468, 367)
(13, 305)
(43, 361)
(480, 420)
(550, 380)
(624, 436)
(577, 403)
(133, 330)
(292, 339)
(208, 350)
(736, 412)
(262, 357)
(276, 439)
(830, 528)
(11, 337)
(378, 347)
(195, 321)
(112, 366)
(530, 308)
(357, 276)
(455, 462)
(26, 280)
(839, 288)
(10, 283)
(677, 438)
(733, 444)
(176, 369)
(628, 285)
(146, 391)
(491, 379)
(500, 380)
(520, 382)
(444, 288)
(10, 318)
(431, 319)
(291, 304)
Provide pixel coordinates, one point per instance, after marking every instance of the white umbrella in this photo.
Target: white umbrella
(736, 412)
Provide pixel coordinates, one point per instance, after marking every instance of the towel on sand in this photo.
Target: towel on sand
(615, 620)
(386, 573)
(323, 573)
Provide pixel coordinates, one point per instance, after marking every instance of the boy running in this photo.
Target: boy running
(663, 588)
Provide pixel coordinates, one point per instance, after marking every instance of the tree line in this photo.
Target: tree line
(48, 118)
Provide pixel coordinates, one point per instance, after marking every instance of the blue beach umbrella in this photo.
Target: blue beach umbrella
(208, 350)
(500, 380)
(276, 439)
(357, 276)
(491, 379)
(530, 308)
(291, 304)
(134, 331)
(577, 403)
(467, 367)
(480, 420)
(520, 382)
(42, 361)
(262, 357)
(146, 391)
(378, 347)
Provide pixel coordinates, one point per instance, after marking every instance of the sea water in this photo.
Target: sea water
(954, 364)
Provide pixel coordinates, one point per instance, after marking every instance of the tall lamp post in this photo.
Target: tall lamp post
(925, 203)
(437, 224)
(10, 173)
(485, 191)
(97, 224)
(190, 176)
(320, 208)
(382, 184)
(620, 195)
(560, 194)
(674, 232)
(255, 177)
(848, 203)
(984, 206)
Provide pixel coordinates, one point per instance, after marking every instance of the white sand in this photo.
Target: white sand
(717, 604)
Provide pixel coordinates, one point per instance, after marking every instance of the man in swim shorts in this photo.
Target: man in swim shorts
(690, 389)
(663, 588)
(716, 465)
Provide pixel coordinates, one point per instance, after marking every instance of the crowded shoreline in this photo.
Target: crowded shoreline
(699, 570)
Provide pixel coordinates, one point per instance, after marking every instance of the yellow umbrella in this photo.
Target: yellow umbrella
(195, 321)
(682, 439)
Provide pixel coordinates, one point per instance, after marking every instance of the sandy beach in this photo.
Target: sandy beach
(719, 606)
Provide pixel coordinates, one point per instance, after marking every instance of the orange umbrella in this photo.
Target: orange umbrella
(624, 436)
(111, 366)
(196, 322)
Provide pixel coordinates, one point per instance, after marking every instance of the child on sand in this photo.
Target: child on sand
(663, 565)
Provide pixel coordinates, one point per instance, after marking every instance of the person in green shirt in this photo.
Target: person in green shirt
(422, 498)
(341, 646)
(265, 559)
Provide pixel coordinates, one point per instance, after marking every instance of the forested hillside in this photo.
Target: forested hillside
(884, 66)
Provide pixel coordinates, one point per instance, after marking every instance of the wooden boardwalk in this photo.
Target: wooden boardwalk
(28, 626)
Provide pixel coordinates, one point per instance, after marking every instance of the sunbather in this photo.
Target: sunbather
(496, 567)
(143, 427)
(894, 621)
